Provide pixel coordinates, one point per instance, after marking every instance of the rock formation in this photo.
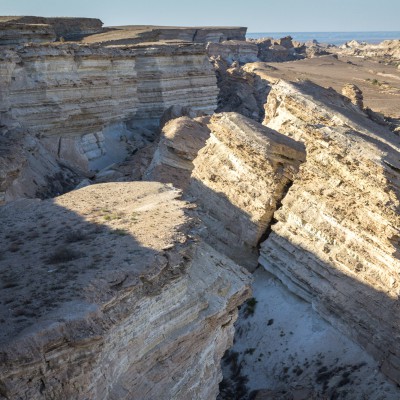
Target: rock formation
(108, 293)
(388, 50)
(234, 50)
(354, 94)
(123, 35)
(336, 239)
(94, 106)
(236, 200)
(20, 30)
(240, 90)
(181, 139)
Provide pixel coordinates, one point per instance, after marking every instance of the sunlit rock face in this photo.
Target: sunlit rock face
(238, 180)
(109, 293)
(336, 239)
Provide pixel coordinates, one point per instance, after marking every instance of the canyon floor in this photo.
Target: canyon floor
(284, 350)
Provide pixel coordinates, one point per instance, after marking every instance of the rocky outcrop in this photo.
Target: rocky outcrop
(108, 293)
(123, 35)
(20, 30)
(354, 94)
(181, 139)
(388, 50)
(336, 239)
(240, 90)
(93, 106)
(234, 50)
(237, 201)
(278, 50)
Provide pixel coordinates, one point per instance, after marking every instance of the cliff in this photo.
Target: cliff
(26, 29)
(94, 106)
(336, 239)
(108, 293)
(122, 35)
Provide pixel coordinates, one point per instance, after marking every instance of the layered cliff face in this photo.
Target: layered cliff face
(336, 239)
(27, 29)
(93, 106)
(181, 139)
(122, 300)
(122, 35)
(237, 201)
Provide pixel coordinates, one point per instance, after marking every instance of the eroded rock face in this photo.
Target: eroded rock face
(239, 178)
(181, 139)
(95, 106)
(27, 169)
(123, 35)
(108, 293)
(336, 240)
(240, 90)
(354, 94)
(234, 50)
(388, 50)
(27, 29)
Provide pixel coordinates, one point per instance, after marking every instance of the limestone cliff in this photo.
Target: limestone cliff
(122, 35)
(108, 293)
(238, 180)
(336, 239)
(27, 29)
(93, 106)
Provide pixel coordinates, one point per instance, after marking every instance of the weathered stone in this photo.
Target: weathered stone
(354, 94)
(108, 293)
(181, 139)
(234, 50)
(336, 240)
(239, 179)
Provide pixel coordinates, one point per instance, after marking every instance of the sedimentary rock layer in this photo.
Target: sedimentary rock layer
(19, 30)
(181, 139)
(122, 35)
(108, 293)
(94, 96)
(234, 50)
(239, 179)
(336, 240)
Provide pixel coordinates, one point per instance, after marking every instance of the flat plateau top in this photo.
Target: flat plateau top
(57, 256)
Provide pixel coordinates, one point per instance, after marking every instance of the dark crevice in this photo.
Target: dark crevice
(268, 230)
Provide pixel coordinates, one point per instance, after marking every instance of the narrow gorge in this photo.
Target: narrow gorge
(182, 220)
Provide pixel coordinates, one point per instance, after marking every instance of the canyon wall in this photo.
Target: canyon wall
(336, 239)
(109, 293)
(91, 106)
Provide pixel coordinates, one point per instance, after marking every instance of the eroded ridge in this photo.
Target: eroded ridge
(336, 240)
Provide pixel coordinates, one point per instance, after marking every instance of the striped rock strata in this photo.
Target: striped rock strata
(239, 179)
(108, 293)
(93, 106)
(336, 239)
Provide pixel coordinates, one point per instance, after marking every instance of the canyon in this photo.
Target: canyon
(172, 197)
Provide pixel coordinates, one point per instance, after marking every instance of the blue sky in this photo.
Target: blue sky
(257, 15)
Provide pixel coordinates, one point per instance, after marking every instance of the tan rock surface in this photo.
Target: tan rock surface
(107, 293)
(239, 178)
(336, 240)
(234, 50)
(181, 139)
(122, 35)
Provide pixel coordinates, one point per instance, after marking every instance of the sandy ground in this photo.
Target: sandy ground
(285, 347)
(380, 83)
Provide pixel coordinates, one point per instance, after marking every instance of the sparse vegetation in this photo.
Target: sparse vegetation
(63, 254)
